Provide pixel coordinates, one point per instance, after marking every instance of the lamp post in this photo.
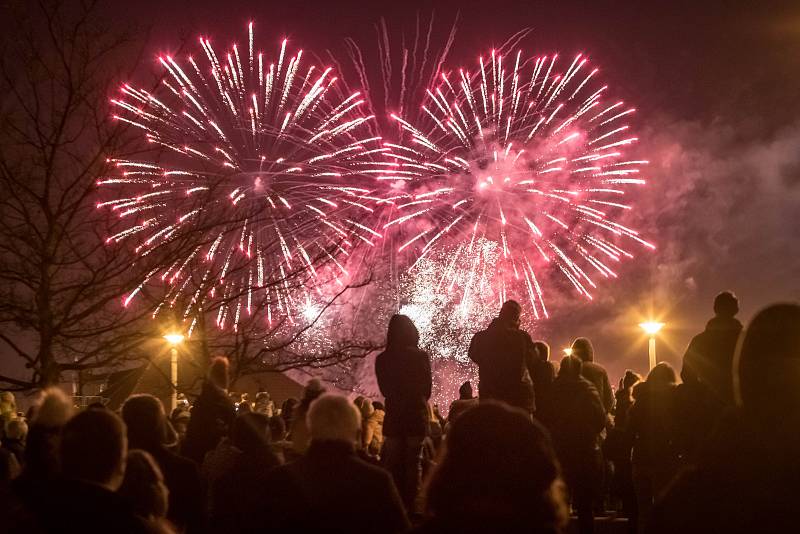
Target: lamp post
(651, 328)
(174, 339)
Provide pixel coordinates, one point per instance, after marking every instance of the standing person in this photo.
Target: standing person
(403, 371)
(264, 404)
(93, 451)
(375, 428)
(464, 402)
(650, 422)
(299, 428)
(576, 424)
(144, 490)
(506, 358)
(594, 372)
(146, 422)
(746, 477)
(544, 374)
(331, 489)
(710, 353)
(238, 494)
(212, 413)
(617, 448)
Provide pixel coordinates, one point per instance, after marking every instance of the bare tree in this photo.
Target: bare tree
(60, 285)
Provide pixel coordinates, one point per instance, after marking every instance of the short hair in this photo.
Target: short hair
(93, 446)
(144, 417)
(333, 417)
(662, 374)
(218, 372)
(583, 349)
(570, 367)
(726, 304)
(510, 309)
(542, 349)
(143, 486)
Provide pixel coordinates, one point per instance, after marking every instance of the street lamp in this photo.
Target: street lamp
(651, 328)
(174, 339)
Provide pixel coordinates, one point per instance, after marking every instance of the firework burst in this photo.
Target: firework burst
(525, 156)
(263, 165)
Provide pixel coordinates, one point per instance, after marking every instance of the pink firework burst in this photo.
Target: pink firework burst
(259, 167)
(525, 158)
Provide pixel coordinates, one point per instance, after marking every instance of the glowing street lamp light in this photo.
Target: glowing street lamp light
(174, 339)
(568, 351)
(651, 328)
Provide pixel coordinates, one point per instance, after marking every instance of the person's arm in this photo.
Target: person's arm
(608, 394)
(475, 353)
(427, 378)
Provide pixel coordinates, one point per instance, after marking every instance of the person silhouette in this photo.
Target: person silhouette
(506, 359)
(709, 356)
(745, 478)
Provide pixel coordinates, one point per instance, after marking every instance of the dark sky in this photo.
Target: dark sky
(717, 88)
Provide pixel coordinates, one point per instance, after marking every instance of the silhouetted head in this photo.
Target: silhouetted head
(570, 367)
(726, 304)
(250, 433)
(630, 379)
(510, 312)
(583, 349)
(334, 418)
(313, 389)
(143, 487)
(218, 372)
(465, 391)
(94, 446)
(145, 419)
(662, 375)
(48, 417)
(498, 464)
(277, 428)
(402, 332)
(542, 350)
(767, 369)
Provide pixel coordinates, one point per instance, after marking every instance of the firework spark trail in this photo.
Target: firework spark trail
(264, 160)
(525, 155)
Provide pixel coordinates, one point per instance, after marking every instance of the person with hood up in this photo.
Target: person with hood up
(506, 359)
(403, 371)
(212, 413)
(594, 372)
(576, 424)
(710, 353)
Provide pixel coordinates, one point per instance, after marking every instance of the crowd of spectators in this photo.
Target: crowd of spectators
(713, 448)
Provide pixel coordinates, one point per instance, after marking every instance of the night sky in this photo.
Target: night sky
(717, 89)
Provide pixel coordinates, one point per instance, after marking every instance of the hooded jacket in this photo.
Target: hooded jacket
(506, 359)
